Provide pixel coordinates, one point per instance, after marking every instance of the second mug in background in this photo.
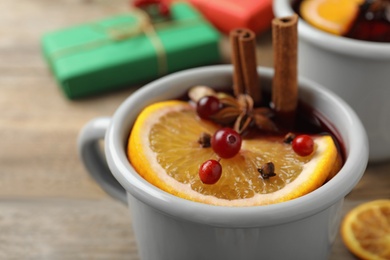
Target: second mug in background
(358, 71)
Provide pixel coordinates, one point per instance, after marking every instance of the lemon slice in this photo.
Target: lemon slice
(366, 230)
(163, 147)
(333, 16)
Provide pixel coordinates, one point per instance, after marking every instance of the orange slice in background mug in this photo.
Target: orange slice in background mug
(333, 16)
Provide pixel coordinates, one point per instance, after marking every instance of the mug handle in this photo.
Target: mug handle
(93, 158)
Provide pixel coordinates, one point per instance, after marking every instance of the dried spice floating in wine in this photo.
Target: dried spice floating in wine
(285, 81)
(245, 77)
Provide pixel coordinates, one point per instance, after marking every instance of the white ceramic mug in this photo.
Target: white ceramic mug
(357, 71)
(171, 228)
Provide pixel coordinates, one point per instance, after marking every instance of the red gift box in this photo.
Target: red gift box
(227, 15)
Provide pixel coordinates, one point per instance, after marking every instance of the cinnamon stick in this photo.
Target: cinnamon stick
(238, 77)
(245, 77)
(285, 81)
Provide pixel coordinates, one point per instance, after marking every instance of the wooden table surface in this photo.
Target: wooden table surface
(49, 206)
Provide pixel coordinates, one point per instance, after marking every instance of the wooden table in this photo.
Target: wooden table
(49, 206)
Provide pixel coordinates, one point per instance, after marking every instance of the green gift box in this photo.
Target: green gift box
(127, 49)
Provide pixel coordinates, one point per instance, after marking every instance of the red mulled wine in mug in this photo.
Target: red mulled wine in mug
(370, 20)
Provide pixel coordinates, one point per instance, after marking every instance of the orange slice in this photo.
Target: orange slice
(333, 16)
(366, 230)
(163, 147)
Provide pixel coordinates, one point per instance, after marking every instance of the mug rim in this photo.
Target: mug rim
(236, 217)
(338, 44)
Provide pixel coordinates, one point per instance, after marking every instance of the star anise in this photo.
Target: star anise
(238, 112)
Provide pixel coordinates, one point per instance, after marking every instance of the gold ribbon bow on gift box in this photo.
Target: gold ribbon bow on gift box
(143, 25)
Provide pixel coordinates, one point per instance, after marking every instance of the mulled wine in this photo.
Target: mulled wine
(243, 147)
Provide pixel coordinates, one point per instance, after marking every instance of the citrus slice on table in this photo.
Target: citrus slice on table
(366, 230)
(333, 16)
(163, 148)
